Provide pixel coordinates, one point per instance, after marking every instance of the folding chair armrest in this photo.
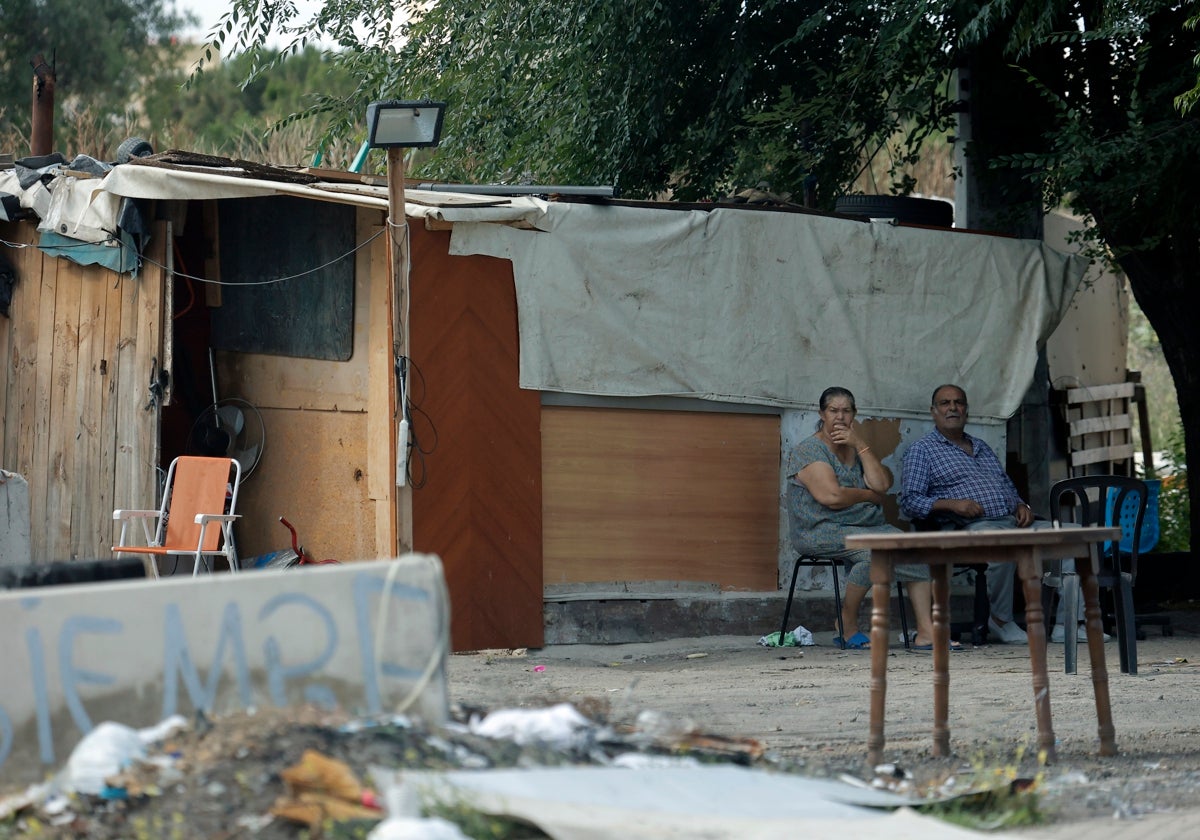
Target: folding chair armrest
(126, 515)
(205, 518)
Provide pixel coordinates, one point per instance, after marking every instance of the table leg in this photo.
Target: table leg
(881, 589)
(1029, 568)
(941, 658)
(1095, 637)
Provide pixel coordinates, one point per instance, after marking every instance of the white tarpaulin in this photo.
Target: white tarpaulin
(771, 307)
(184, 184)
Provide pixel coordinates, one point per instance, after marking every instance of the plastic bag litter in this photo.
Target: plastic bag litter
(800, 637)
(560, 725)
(108, 748)
(404, 820)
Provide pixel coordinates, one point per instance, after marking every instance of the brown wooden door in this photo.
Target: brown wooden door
(477, 487)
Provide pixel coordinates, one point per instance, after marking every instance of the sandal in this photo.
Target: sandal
(859, 641)
(954, 646)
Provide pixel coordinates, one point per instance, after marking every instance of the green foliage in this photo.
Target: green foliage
(101, 51)
(218, 108)
(1174, 504)
(1000, 797)
(1188, 99)
(656, 97)
(1145, 354)
(480, 826)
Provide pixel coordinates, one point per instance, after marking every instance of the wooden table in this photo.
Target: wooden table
(1028, 548)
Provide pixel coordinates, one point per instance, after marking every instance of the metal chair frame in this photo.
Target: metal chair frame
(1073, 494)
(195, 518)
(817, 561)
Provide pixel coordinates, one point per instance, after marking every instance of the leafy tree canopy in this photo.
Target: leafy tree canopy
(218, 110)
(691, 96)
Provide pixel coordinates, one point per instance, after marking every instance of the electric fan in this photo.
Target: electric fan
(232, 428)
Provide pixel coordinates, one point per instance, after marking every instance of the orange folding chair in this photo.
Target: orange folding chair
(196, 517)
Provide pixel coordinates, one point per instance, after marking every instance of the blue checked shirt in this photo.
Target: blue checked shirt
(934, 468)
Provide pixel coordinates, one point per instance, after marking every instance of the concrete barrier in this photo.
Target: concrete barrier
(368, 637)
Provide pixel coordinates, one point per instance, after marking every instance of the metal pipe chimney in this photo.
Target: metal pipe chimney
(41, 133)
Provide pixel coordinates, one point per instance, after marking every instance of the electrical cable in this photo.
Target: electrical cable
(283, 279)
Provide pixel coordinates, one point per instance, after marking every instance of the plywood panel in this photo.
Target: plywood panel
(321, 489)
(477, 478)
(635, 495)
(382, 414)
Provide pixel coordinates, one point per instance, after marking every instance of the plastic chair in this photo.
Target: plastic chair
(1148, 536)
(1107, 501)
(1147, 540)
(196, 517)
(814, 561)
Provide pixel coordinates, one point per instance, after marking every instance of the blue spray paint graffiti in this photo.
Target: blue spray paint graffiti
(375, 603)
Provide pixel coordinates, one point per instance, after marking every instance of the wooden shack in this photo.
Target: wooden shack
(517, 483)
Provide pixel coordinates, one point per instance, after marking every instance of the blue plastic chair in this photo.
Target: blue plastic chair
(1127, 519)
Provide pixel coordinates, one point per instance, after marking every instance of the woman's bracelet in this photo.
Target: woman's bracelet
(864, 449)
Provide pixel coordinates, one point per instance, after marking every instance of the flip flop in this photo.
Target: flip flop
(954, 646)
(859, 641)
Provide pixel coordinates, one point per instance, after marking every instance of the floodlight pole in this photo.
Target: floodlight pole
(397, 225)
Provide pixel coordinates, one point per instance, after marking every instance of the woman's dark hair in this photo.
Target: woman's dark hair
(830, 393)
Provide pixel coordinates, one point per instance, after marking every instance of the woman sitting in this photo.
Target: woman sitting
(836, 487)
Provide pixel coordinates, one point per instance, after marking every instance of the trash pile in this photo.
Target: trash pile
(309, 773)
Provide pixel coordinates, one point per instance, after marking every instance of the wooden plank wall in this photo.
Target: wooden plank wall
(78, 350)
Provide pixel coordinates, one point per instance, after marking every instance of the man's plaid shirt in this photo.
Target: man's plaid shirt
(934, 468)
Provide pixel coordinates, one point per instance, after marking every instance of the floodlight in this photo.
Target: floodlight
(408, 124)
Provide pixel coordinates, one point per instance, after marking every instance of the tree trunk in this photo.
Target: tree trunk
(1163, 283)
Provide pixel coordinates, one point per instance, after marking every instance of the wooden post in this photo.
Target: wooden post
(1139, 399)
(397, 225)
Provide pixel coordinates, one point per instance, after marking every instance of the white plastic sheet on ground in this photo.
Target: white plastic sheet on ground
(713, 802)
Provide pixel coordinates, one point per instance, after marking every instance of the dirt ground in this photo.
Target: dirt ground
(809, 707)
(722, 698)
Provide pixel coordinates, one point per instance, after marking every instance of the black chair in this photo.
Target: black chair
(812, 560)
(1106, 501)
(981, 608)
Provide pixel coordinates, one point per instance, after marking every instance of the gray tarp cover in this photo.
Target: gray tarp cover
(737, 305)
(771, 308)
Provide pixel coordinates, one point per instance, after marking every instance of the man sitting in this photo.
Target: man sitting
(950, 471)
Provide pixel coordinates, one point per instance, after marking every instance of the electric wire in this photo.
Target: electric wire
(275, 280)
(417, 450)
